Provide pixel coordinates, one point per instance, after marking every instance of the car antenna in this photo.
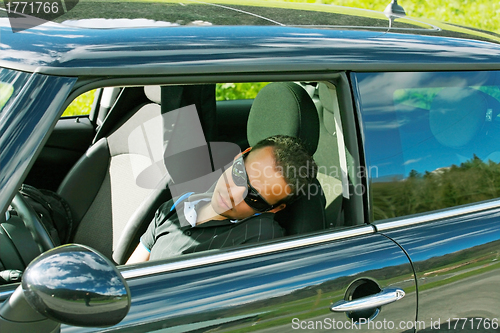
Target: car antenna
(393, 11)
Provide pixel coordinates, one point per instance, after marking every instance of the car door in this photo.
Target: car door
(286, 285)
(433, 139)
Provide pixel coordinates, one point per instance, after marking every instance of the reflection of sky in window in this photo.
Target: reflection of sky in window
(397, 134)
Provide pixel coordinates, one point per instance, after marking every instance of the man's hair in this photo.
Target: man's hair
(293, 161)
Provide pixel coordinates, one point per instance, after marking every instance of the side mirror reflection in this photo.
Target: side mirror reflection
(71, 284)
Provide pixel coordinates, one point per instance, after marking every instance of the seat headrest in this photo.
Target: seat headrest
(153, 93)
(457, 115)
(284, 108)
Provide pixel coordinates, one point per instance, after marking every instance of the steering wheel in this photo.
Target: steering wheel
(32, 222)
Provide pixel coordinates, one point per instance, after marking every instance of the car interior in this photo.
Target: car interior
(99, 164)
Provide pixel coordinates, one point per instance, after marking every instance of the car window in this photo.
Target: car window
(431, 138)
(81, 106)
(140, 141)
(331, 161)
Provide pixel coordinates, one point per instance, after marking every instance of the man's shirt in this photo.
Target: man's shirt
(171, 233)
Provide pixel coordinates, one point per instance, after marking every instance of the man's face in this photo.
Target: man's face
(227, 199)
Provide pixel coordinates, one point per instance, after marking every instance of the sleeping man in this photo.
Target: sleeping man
(238, 210)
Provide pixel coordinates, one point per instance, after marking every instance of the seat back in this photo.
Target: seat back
(286, 108)
(107, 186)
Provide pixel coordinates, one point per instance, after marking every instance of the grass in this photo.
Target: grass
(479, 14)
(466, 274)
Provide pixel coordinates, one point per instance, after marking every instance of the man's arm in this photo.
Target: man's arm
(140, 254)
(142, 251)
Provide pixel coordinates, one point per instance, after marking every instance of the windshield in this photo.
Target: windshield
(11, 83)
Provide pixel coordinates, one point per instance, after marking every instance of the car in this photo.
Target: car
(400, 233)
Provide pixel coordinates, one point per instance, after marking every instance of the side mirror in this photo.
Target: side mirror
(71, 284)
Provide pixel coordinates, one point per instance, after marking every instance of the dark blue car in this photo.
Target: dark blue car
(401, 232)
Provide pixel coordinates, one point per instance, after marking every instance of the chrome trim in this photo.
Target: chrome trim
(385, 226)
(385, 297)
(244, 253)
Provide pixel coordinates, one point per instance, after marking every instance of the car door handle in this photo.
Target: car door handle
(384, 297)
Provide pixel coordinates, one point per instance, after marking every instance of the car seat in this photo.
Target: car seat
(102, 189)
(286, 108)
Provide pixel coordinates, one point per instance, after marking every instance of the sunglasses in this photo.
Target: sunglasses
(252, 197)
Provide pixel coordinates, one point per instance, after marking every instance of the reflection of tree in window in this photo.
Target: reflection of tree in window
(472, 181)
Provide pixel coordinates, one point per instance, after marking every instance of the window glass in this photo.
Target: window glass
(11, 83)
(81, 106)
(431, 139)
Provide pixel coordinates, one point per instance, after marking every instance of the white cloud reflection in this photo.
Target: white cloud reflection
(84, 271)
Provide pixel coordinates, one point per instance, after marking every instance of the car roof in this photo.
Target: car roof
(246, 36)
